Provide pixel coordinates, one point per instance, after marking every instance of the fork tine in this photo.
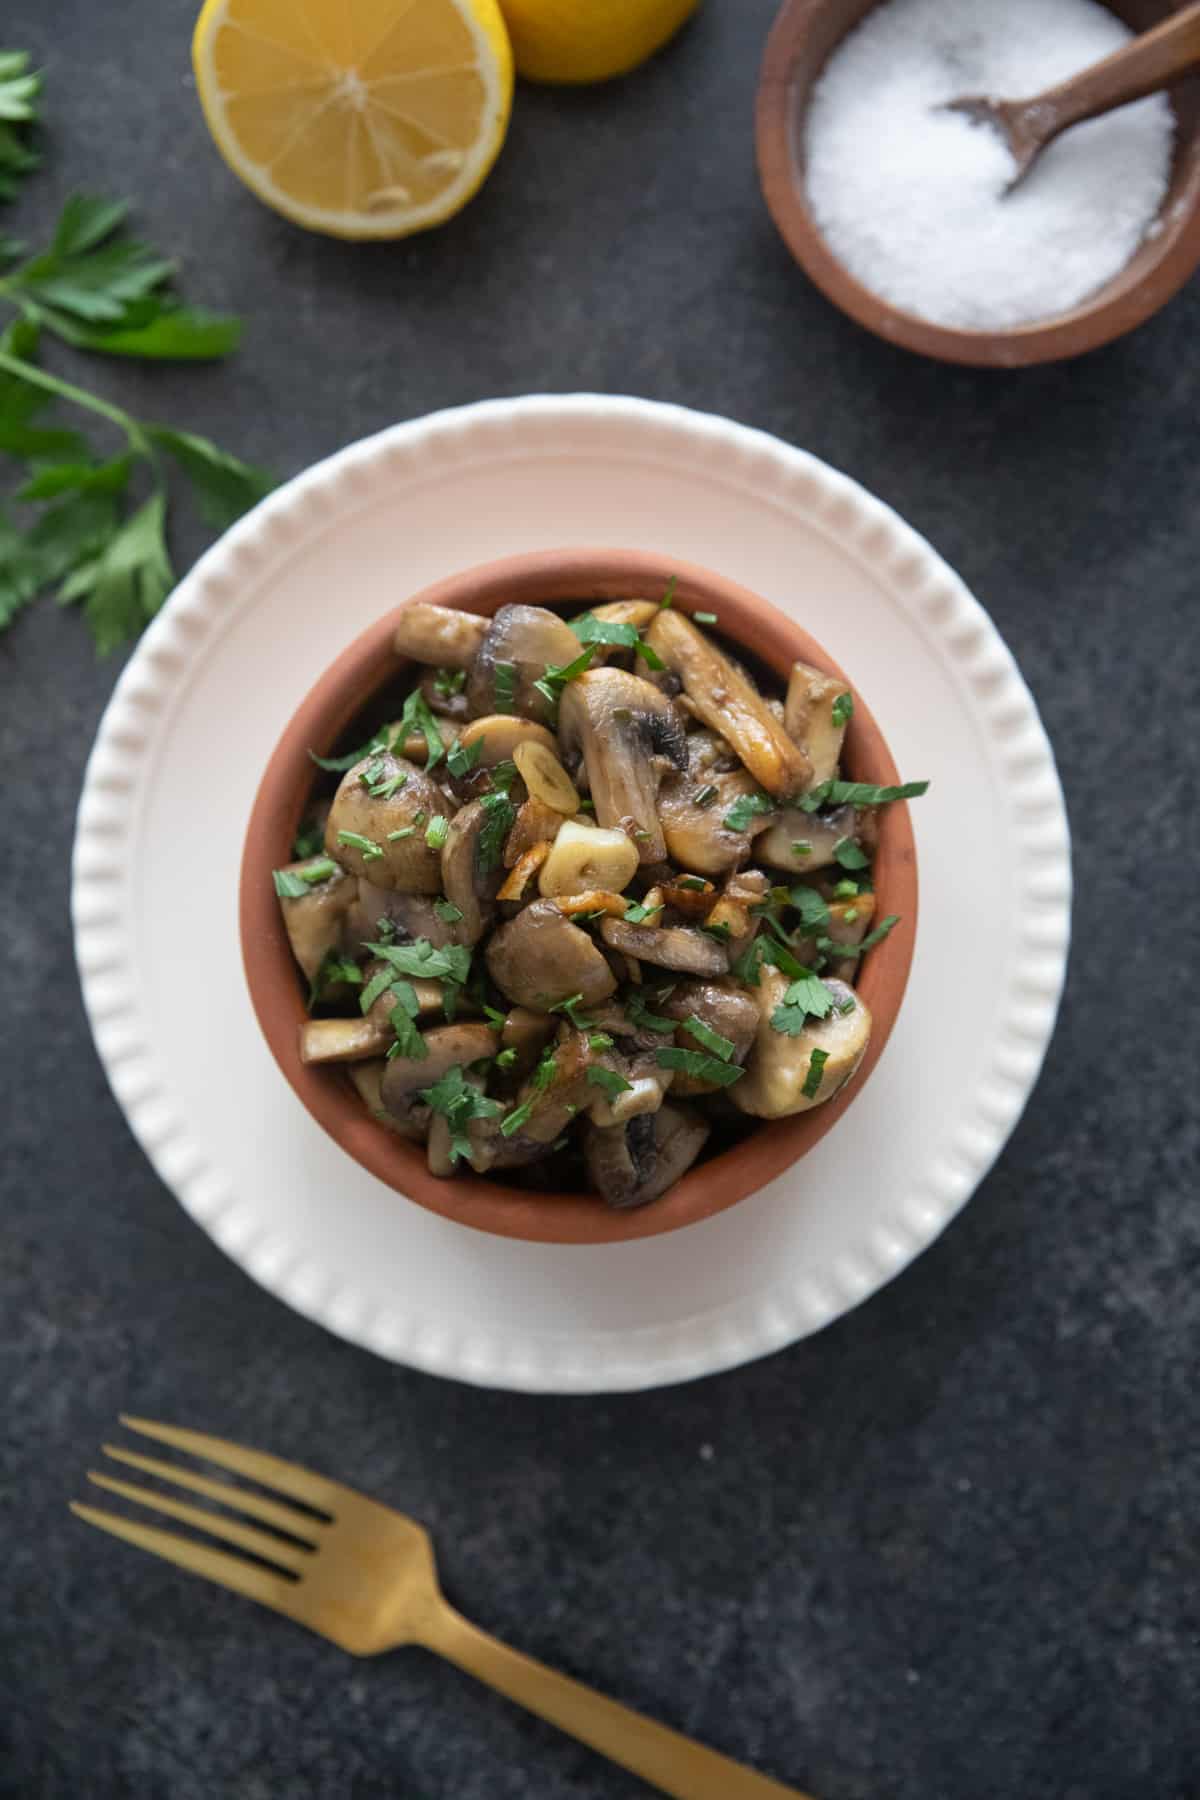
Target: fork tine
(287, 1518)
(227, 1571)
(258, 1543)
(285, 1477)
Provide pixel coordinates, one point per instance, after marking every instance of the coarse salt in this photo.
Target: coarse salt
(912, 199)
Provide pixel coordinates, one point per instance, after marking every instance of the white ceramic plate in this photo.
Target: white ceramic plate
(173, 774)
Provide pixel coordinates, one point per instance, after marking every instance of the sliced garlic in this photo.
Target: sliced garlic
(546, 778)
(588, 856)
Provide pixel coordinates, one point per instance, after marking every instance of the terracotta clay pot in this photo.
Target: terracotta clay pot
(804, 36)
(369, 666)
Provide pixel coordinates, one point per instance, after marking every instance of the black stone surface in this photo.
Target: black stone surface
(949, 1549)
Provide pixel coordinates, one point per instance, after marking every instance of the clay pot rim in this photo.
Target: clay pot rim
(1154, 275)
(572, 576)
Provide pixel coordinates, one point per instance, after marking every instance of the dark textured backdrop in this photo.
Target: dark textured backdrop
(945, 1551)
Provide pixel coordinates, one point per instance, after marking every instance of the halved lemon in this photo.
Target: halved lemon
(589, 40)
(361, 118)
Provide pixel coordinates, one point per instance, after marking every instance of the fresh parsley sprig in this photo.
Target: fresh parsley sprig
(19, 91)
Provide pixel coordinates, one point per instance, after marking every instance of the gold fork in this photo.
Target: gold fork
(364, 1577)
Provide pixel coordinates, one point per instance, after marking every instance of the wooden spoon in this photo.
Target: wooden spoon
(1153, 61)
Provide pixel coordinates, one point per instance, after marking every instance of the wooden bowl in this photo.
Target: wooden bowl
(363, 671)
(804, 35)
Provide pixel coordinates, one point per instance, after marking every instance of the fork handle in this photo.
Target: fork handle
(670, 1762)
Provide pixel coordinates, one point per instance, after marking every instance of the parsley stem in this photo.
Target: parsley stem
(66, 390)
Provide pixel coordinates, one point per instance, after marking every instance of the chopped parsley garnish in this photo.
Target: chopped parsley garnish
(375, 770)
(461, 758)
(504, 686)
(543, 1075)
(850, 915)
(712, 1040)
(555, 676)
(333, 969)
(608, 1081)
(846, 890)
(369, 850)
(591, 630)
(450, 963)
(848, 853)
(843, 709)
(419, 817)
(695, 883)
(669, 596)
(448, 682)
(502, 775)
(379, 983)
(293, 884)
(806, 998)
(437, 831)
(402, 1019)
(640, 1015)
(337, 765)
(704, 618)
(494, 1016)
(459, 1102)
(745, 808)
(802, 847)
(405, 831)
(638, 912)
(707, 794)
(813, 910)
(705, 1068)
(719, 929)
(816, 1068)
(446, 909)
(858, 793)
(872, 938)
(600, 1040)
(506, 1058)
(570, 1006)
(501, 814)
(416, 716)
(762, 950)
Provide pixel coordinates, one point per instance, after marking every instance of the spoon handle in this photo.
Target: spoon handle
(1150, 62)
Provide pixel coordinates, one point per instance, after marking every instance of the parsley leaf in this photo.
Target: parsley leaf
(571, 1006)
(858, 793)
(402, 1019)
(501, 814)
(745, 808)
(224, 487)
(843, 709)
(333, 969)
(459, 1102)
(640, 1015)
(813, 910)
(461, 758)
(849, 854)
(504, 686)
(806, 998)
(19, 91)
(446, 909)
(838, 951)
(637, 913)
(449, 682)
(608, 1081)
(712, 1040)
(694, 1062)
(416, 716)
(451, 962)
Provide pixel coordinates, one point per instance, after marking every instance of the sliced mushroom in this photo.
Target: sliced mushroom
(555, 1103)
(849, 923)
(637, 613)
(729, 702)
(520, 877)
(314, 920)
(466, 883)
(668, 946)
(527, 639)
(386, 828)
(439, 634)
(583, 857)
(411, 916)
(527, 1033)
(781, 1068)
(540, 958)
(448, 1047)
(501, 734)
(733, 916)
(808, 717)
(632, 1164)
(731, 1011)
(623, 725)
(801, 842)
(535, 824)
(367, 1077)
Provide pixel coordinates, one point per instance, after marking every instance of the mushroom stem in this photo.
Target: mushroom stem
(620, 723)
(439, 634)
